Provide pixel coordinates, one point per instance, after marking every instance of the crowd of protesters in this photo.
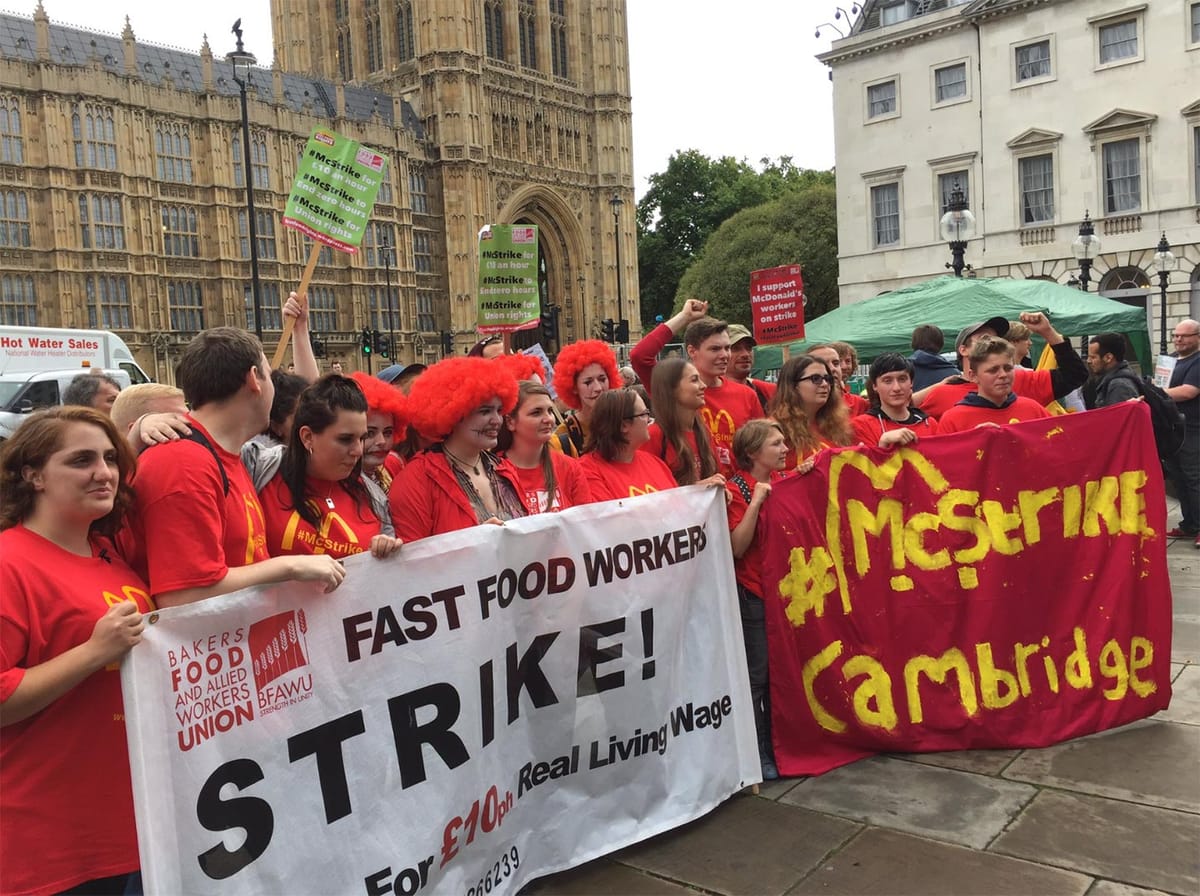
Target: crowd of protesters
(245, 476)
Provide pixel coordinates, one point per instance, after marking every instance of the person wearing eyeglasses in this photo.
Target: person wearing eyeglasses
(612, 463)
(809, 409)
(1184, 468)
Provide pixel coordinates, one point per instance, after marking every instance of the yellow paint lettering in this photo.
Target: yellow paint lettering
(914, 546)
(972, 525)
(1133, 503)
(1031, 503)
(873, 703)
(814, 667)
(1023, 653)
(1078, 668)
(862, 522)
(1072, 510)
(1112, 666)
(1141, 656)
(937, 669)
(1000, 523)
(1100, 502)
(998, 687)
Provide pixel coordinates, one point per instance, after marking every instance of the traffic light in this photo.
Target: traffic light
(368, 344)
(622, 332)
(447, 344)
(547, 324)
(608, 327)
(383, 344)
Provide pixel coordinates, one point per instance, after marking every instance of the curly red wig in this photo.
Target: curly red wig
(386, 399)
(522, 366)
(572, 360)
(450, 389)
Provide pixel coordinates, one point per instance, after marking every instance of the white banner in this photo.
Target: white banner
(487, 707)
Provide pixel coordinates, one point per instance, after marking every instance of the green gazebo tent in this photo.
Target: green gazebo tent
(885, 323)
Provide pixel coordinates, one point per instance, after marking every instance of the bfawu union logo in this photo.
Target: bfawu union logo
(278, 652)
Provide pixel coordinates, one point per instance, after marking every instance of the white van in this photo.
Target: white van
(38, 363)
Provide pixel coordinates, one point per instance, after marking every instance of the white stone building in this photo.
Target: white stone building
(1042, 111)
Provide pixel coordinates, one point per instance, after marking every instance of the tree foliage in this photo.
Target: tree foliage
(686, 204)
(799, 227)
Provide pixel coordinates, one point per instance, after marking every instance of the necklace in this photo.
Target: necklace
(329, 496)
(474, 468)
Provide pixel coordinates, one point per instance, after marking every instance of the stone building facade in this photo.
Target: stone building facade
(122, 182)
(1041, 111)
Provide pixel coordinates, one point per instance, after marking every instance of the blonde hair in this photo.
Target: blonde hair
(137, 400)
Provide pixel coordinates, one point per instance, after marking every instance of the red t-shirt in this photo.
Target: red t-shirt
(65, 793)
(726, 408)
(669, 455)
(794, 460)
(868, 428)
(570, 487)
(962, 417)
(346, 528)
(1034, 384)
(856, 403)
(185, 530)
(614, 479)
(748, 567)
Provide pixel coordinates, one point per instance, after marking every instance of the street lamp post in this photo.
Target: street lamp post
(1164, 262)
(1085, 248)
(957, 226)
(616, 202)
(386, 251)
(241, 62)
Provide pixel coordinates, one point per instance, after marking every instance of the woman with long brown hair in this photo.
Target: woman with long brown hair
(809, 409)
(70, 609)
(550, 480)
(678, 436)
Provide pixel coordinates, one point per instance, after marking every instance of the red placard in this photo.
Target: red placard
(777, 304)
(998, 588)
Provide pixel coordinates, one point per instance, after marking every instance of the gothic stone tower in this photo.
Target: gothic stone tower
(526, 113)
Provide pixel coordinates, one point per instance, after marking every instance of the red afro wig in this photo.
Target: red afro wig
(450, 389)
(572, 360)
(384, 398)
(522, 367)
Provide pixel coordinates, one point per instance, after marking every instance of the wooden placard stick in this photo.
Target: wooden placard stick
(302, 293)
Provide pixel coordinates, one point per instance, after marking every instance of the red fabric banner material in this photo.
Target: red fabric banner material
(998, 588)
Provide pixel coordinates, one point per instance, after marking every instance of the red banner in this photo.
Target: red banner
(1004, 587)
(777, 304)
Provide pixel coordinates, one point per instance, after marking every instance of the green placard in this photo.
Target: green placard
(508, 278)
(334, 190)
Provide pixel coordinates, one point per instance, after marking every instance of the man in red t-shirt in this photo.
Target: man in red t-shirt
(727, 404)
(741, 362)
(991, 366)
(197, 530)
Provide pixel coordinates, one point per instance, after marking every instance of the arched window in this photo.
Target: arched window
(493, 28)
(527, 31)
(12, 144)
(406, 48)
(558, 38)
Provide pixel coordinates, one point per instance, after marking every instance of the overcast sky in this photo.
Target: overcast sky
(744, 85)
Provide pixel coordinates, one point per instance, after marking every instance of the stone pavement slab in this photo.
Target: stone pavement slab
(1112, 888)
(749, 845)
(1148, 762)
(982, 762)
(1140, 845)
(604, 877)
(1185, 698)
(893, 864)
(921, 799)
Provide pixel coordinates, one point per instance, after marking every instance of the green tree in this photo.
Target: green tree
(685, 205)
(800, 227)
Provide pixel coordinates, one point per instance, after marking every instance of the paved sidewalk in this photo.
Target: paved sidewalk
(1113, 814)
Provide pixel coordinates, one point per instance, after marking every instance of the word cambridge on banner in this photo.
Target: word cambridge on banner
(777, 304)
(1003, 587)
(442, 725)
(334, 190)
(508, 297)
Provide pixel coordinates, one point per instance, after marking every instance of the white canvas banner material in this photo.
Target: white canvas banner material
(482, 709)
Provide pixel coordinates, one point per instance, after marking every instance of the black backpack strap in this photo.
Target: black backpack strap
(200, 439)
